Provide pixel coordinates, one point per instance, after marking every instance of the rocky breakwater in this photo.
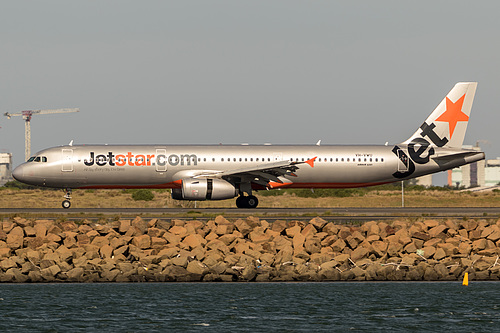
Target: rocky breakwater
(247, 250)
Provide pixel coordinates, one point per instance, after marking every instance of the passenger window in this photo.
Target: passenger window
(382, 159)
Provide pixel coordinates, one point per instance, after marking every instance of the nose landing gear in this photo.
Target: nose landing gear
(67, 203)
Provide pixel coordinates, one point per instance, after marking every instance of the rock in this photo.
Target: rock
(344, 232)
(217, 245)
(429, 224)
(329, 240)
(178, 231)
(439, 254)
(421, 236)
(140, 224)
(331, 229)
(171, 238)
(339, 245)
(479, 244)
(224, 229)
(248, 273)
(5, 252)
(359, 253)
(309, 231)
(142, 242)
(15, 275)
(106, 251)
(279, 225)
(359, 274)
(258, 236)
(449, 249)
(428, 251)
(312, 245)
(22, 222)
(298, 242)
(221, 220)
(430, 274)
(292, 231)
(194, 240)
(15, 238)
(197, 267)
(7, 264)
(495, 235)
(242, 227)
(318, 223)
(379, 248)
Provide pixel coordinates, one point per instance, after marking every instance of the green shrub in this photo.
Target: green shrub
(143, 194)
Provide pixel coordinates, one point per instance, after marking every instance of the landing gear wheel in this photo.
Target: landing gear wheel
(241, 202)
(67, 203)
(252, 201)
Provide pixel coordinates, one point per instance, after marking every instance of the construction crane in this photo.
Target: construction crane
(27, 123)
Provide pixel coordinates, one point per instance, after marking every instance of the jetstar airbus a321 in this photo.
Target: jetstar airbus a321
(217, 172)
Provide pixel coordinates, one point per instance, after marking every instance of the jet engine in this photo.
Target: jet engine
(204, 189)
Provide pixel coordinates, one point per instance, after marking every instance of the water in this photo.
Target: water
(251, 307)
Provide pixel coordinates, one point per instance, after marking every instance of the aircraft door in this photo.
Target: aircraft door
(67, 160)
(277, 157)
(403, 161)
(161, 160)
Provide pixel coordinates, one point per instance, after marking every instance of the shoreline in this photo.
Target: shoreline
(247, 250)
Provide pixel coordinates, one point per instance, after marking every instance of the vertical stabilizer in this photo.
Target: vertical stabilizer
(446, 125)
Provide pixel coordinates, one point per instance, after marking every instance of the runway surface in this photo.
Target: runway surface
(334, 214)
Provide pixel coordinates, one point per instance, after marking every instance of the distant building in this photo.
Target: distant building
(478, 174)
(424, 181)
(5, 168)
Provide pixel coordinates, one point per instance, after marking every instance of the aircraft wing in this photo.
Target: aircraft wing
(264, 174)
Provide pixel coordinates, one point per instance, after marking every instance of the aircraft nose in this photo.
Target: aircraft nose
(18, 173)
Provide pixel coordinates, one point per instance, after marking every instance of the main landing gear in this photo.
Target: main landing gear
(67, 203)
(247, 201)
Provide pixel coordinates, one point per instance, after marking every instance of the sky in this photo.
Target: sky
(283, 72)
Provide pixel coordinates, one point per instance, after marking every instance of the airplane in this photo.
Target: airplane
(218, 172)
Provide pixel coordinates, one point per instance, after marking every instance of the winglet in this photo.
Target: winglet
(311, 161)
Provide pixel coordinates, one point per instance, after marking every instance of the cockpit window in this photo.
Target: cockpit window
(38, 159)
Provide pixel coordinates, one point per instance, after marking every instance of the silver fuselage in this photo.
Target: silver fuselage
(158, 166)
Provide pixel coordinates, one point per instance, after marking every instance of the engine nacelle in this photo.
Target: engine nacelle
(204, 189)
